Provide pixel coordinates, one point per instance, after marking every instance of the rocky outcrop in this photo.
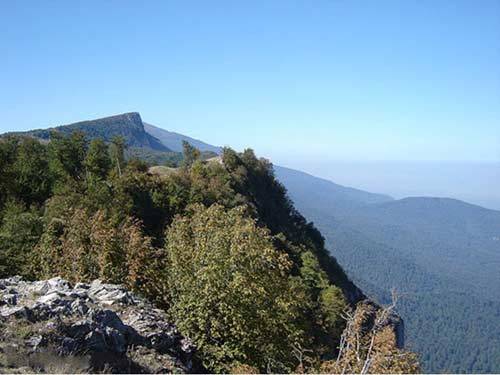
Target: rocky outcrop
(52, 326)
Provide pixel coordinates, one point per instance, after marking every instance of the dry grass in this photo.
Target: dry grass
(162, 170)
(16, 360)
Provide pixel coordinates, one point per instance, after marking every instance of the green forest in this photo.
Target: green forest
(217, 244)
(443, 268)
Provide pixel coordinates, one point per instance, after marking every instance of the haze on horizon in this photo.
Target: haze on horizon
(305, 84)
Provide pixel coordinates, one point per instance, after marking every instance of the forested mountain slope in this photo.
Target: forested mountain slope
(441, 254)
(446, 236)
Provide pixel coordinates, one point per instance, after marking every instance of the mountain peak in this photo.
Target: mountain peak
(124, 119)
(127, 125)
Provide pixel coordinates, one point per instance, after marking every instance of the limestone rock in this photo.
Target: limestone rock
(93, 327)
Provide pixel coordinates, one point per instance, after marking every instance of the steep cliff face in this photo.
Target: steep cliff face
(51, 326)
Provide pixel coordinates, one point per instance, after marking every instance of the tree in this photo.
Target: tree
(32, 182)
(117, 151)
(97, 160)
(19, 232)
(230, 290)
(67, 155)
(190, 154)
(8, 148)
(325, 304)
(86, 246)
(368, 344)
(137, 165)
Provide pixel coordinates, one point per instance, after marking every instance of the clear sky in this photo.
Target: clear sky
(330, 80)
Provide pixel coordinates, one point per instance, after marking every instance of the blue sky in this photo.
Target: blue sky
(329, 80)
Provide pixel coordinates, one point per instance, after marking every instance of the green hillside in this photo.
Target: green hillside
(441, 254)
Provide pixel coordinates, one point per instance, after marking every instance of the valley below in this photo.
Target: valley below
(441, 255)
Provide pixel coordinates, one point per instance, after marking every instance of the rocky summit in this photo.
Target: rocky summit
(52, 326)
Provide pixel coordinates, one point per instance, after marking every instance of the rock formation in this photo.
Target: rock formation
(52, 326)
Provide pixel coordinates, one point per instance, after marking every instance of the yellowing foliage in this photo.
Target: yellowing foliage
(92, 246)
(368, 345)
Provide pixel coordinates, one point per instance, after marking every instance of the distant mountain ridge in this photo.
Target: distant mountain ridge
(317, 191)
(174, 140)
(128, 125)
